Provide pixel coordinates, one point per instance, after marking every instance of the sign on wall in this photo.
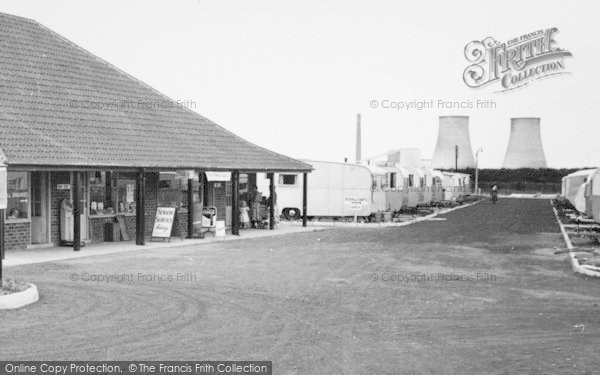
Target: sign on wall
(218, 176)
(163, 223)
(3, 188)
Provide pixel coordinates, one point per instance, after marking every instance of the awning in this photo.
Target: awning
(218, 176)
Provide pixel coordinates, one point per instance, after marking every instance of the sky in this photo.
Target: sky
(292, 75)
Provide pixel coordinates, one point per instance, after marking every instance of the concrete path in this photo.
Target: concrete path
(51, 254)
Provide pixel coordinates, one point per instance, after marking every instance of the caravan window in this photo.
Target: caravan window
(288, 179)
(392, 179)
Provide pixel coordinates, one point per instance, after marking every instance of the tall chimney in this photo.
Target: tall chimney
(358, 139)
(525, 148)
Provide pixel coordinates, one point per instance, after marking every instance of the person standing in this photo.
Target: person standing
(244, 215)
(494, 193)
(255, 202)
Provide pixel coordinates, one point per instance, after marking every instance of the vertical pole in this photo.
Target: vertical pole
(235, 202)
(456, 158)
(304, 195)
(272, 195)
(76, 213)
(190, 218)
(1, 243)
(140, 219)
(476, 176)
(108, 189)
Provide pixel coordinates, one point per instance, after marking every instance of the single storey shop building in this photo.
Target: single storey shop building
(82, 138)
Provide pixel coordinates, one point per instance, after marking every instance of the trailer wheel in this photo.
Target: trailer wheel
(291, 213)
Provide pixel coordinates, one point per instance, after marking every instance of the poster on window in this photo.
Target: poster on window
(163, 223)
(129, 195)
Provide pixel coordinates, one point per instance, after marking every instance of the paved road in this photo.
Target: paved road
(477, 290)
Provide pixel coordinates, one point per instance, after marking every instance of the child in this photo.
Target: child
(244, 217)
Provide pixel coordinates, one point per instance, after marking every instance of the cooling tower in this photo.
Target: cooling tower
(525, 144)
(453, 135)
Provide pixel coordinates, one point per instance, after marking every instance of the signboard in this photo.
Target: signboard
(63, 187)
(163, 223)
(355, 204)
(218, 176)
(3, 188)
(220, 228)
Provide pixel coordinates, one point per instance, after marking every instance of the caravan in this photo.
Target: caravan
(333, 190)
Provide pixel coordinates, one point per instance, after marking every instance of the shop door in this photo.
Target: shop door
(40, 218)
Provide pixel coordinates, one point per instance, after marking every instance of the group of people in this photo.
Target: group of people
(254, 212)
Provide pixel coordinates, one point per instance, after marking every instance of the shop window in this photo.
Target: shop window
(169, 190)
(126, 196)
(18, 195)
(288, 179)
(99, 199)
(411, 180)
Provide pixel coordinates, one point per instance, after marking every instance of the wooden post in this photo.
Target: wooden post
(1, 243)
(272, 195)
(190, 216)
(76, 213)
(140, 219)
(304, 196)
(235, 202)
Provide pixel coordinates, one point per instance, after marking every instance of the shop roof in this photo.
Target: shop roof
(47, 84)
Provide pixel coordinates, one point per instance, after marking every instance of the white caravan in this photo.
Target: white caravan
(573, 188)
(334, 190)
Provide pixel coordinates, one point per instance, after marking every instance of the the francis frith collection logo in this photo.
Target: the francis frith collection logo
(515, 63)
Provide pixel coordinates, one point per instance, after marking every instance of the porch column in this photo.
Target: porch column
(140, 218)
(76, 213)
(304, 195)
(190, 197)
(1, 239)
(1, 243)
(235, 202)
(272, 195)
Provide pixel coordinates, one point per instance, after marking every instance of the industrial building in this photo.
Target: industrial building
(453, 147)
(525, 148)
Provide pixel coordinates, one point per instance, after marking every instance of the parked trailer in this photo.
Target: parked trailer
(378, 187)
(573, 188)
(394, 188)
(411, 197)
(330, 188)
(424, 186)
(593, 196)
(437, 186)
(456, 185)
